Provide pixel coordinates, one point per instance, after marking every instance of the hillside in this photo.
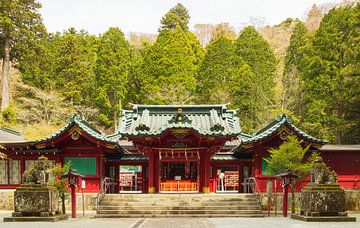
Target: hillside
(59, 74)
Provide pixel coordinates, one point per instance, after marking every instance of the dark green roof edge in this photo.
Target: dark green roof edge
(73, 120)
(165, 128)
(276, 125)
(83, 125)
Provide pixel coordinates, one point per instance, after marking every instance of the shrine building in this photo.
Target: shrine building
(172, 148)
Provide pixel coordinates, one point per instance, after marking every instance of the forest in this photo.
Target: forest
(309, 70)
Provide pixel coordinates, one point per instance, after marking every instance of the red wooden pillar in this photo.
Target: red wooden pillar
(151, 188)
(201, 172)
(204, 172)
(73, 201)
(22, 169)
(285, 200)
(156, 171)
(240, 190)
(256, 164)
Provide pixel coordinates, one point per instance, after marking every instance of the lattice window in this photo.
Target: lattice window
(14, 172)
(10, 172)
(3, 172)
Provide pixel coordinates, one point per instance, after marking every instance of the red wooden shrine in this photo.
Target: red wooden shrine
(173, 148)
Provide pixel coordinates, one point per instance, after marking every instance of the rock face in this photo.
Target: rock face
(322, 196)
(35, 197)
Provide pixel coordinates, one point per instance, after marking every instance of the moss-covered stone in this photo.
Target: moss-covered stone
(323, 196)
(36, 201)
(322, 200)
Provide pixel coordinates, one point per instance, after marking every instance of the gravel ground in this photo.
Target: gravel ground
(88, 222)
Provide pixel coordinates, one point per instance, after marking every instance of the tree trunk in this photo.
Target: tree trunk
(63, 203)
(5, 77)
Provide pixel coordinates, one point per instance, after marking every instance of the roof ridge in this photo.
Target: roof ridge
(275, 125)
(12, 131)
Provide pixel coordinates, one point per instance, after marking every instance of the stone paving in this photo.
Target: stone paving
(89, 222)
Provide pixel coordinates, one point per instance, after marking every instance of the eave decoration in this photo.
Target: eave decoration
(180, 118)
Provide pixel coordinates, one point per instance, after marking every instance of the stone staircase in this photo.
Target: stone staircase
(178, 205)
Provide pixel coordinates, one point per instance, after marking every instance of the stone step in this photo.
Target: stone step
(253, 207)
(189, 211)
(180, 216)
(177, 195)
(180, 203)
(178, 198)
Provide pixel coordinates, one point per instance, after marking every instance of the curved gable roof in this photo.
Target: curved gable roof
(84, 126)
(277, 124)
(153, 120)
(75, 120)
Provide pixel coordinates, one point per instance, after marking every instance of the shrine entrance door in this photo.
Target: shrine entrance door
(179, 176)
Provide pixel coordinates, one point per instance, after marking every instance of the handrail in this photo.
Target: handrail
(250, 183)
(104, 186)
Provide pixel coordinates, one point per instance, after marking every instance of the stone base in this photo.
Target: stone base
(324, 218)
(35, 200)
(55, 218)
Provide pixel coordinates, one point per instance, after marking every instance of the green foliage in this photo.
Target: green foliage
(332, 77)
(8, 116)
(320, 77)
(20, 25)
(216, 70)
(20, 22)
(60, 182)
(177, 16)
(74, 64)
(289, 157)
(36, 64)
(295, 63)
(112, 69)
(258, 64)
(170, 66)
(137, 79)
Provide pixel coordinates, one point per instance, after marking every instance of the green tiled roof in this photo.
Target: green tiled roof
(152, 120)
(236, 142)
(273, 127)
(83, 125)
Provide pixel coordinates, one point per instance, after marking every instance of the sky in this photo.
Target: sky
(96, 16)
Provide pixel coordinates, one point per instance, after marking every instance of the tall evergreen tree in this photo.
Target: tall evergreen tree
(137, 79)
(216, 70)
(74, 58)
(36, 63)
(20, 22)
(257, 58)
(176, 16)
(171, 63)
(332, 77)
(295, 64)
(112, 68)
